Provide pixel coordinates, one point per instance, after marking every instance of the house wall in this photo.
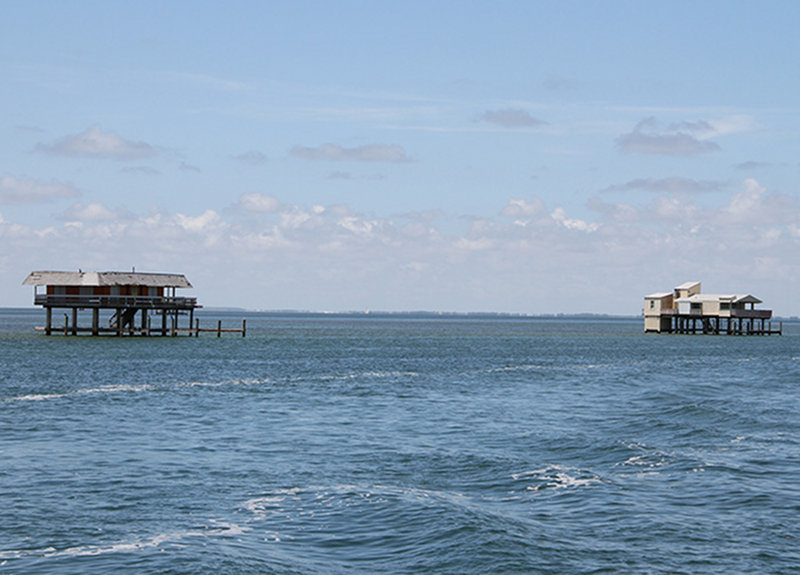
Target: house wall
(654, 305)
(652, 323)
(105, 290)
(685, 293)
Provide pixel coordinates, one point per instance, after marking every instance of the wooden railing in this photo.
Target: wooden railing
(752, 313)
(743, 313)
(115, 301)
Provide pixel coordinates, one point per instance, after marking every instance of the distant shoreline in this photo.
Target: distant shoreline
(407, 314)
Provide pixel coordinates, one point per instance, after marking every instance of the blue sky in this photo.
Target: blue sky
(531, 157)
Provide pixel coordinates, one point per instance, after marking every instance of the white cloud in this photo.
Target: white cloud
(205, 221)
(519, 208)
(29, 191)
(255, 202)
(95, 143)
(560, 216)
(93, 212)
(744, 204)
(331, 257)
(388, 153)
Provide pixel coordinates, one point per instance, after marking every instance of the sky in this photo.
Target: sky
(527, 157)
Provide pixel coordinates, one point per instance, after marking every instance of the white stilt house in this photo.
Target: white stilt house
(686, 310)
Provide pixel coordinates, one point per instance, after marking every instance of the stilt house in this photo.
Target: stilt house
(687, 310)
(122, 295)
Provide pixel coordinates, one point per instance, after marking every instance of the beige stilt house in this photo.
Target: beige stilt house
(686, 310)
(121, 295)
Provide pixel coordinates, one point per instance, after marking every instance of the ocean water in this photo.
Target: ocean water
(363, 444)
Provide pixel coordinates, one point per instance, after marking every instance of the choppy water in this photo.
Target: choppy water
(399, 445)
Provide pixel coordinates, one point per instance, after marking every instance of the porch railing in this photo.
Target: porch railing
(115, 301)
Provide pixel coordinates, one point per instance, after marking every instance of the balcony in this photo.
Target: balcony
(114, 301)
(752, 313)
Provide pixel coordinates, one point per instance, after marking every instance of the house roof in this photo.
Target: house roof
(687, 285)
(660, 295)
(732, 298)
(80, 278)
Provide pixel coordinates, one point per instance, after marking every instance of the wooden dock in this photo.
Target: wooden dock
(130, 329)
(713, 325)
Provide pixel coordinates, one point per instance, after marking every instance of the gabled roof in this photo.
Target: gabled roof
(79, 278)
(687, 285)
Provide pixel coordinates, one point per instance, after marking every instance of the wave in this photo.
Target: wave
(556, 477)
(215, 529)
(116, 388)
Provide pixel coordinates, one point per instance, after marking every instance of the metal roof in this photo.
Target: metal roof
(80, 278)
(733, 298)
(660, 295)
(687, 285)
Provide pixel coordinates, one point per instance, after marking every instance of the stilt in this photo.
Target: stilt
(95, 321)
(48, 327)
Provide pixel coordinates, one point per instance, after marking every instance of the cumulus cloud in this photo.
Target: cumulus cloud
(197, 224)
(557, 261)
(754, 205)
(255, 202)
(388, 153)
(668, 185)
(511, 118)
(30, 191)
(94, 211)
(96, 143)
(519, 208)
(680, 139)
(560, 216)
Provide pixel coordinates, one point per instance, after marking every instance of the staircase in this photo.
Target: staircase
(126, 319)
